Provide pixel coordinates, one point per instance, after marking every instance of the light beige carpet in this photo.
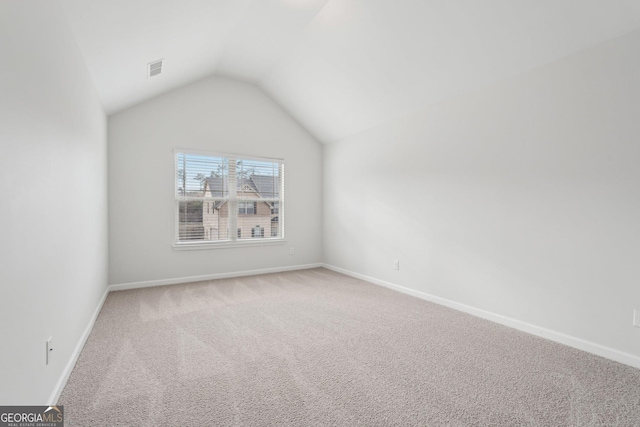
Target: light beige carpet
(317, 348)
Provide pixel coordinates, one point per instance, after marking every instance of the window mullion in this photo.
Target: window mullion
(233, 200)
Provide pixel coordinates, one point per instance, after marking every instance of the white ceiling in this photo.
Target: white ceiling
(338, 66)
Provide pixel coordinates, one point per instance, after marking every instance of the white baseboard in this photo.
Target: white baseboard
(178, 280)
(597, 349)
(62, 381)
(580, 344)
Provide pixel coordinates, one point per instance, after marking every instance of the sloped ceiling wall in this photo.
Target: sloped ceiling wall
(338, 66)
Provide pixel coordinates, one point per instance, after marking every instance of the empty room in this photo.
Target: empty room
(319, 213)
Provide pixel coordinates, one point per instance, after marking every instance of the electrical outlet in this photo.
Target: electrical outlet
(291, 250)
(396, 265)
(636, 318)
(49, 348)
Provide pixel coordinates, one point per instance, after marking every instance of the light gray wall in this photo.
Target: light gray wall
(521, 199)
(216, 114)
(53, 199)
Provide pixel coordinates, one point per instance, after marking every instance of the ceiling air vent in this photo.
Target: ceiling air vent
(155, 68)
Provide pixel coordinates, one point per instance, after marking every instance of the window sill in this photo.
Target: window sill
(227, 244)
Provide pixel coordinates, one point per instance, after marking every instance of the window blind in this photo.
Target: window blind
(228, 198)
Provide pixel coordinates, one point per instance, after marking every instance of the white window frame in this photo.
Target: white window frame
(232, 199)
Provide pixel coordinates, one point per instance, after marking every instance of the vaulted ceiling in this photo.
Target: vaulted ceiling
(338, 66)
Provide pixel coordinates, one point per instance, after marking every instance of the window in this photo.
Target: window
(247, 208)
(223, 192)
(257, 232)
